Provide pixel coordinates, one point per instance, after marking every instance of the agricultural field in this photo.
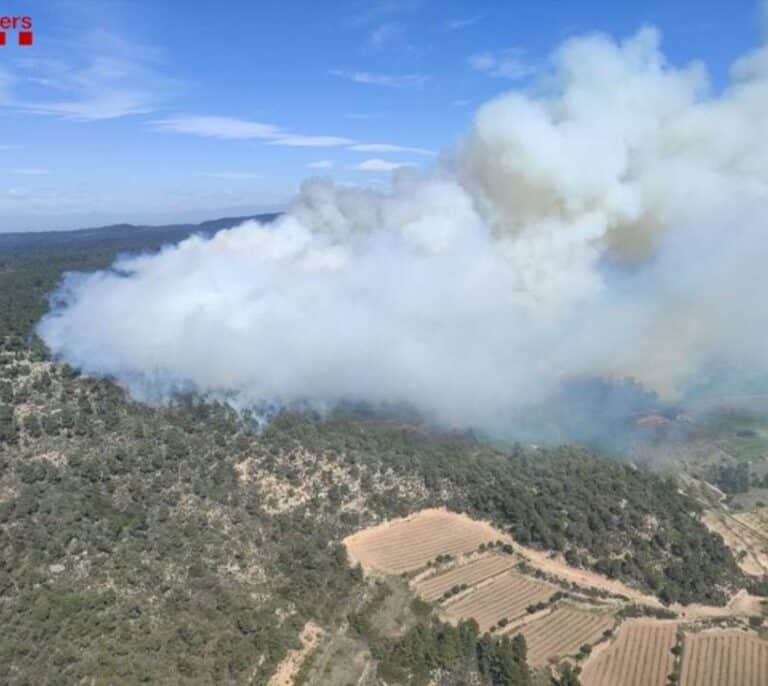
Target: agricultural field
(486, 586)
(725, 658)
(404, 545)
(504, 596)
(433, 587)
(640, 656)
(563, 632)
(745, 534)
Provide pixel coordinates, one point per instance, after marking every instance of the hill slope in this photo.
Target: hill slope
(176, 543)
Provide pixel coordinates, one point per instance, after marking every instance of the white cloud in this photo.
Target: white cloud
(388, 80)
(375, 11)
(363, 116)
(232, 128)
(7, 80)
(219, 127)
(457, 24)
(99, 77)
(387, 147)
(482, 61)
(297, 141)
(507, 64)
(321, 164)
(30, 171)
(378, 165)
(385, 36)
(233, 175)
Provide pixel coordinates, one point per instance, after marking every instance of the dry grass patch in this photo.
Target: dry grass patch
(640, 656)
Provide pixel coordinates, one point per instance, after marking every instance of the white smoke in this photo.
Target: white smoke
(613, 222)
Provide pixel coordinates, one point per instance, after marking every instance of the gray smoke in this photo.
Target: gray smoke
(612, 224)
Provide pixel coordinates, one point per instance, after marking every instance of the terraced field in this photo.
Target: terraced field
(640, 656)
(433, 587)
(562, 633)
(494, 591)
(404, 545)
(725, 658)
(745, 536)
(504, 596)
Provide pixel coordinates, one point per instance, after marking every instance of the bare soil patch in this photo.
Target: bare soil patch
(291, 664)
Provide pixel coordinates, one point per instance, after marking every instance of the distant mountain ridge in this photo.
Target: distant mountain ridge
(97, 235)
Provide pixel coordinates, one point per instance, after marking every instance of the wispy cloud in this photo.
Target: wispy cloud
(375, 11)
(388, 80)
(363, 116)
(297, 141)
(101, 76)
(30, 171)
(219, 127)
(386, 36)
(506, 64)
(321, 164)
(232, 128)
(458, 24)
(233, 175)
(387, 147)
(378, 165)
(7, 80)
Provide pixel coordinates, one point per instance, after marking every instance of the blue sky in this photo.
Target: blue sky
(158, 112)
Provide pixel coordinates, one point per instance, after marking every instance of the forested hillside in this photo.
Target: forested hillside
(163, 543)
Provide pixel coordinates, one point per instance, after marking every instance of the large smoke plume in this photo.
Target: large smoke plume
(612, 222)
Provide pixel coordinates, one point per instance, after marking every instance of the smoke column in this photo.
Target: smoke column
(612, 222)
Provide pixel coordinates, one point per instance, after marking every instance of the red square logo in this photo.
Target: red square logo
(25, 38)
(2, 37)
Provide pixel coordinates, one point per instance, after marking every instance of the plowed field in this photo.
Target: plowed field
(725, 658)
(404, 545)
(504, 596)
(640, 656)
(433, 587)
